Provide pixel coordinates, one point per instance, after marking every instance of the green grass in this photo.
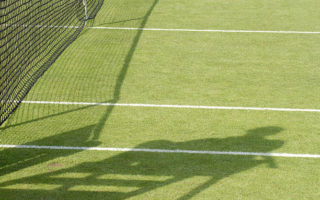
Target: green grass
(185, 68)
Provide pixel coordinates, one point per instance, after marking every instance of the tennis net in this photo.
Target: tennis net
(33, 33)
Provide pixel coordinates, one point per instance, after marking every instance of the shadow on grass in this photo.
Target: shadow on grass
(122, 21)
(80, 136)
(130, 174)
(123, 72)
(118, 82)
(139, 171)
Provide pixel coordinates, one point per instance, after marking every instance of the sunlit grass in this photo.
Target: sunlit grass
(214, 69)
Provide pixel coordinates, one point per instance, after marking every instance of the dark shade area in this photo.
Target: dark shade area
(169, 168)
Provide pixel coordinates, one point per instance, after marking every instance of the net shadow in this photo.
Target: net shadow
(93, 69)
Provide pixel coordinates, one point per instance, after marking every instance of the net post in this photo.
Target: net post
(85, 10)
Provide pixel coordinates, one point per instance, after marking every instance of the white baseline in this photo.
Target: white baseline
(207, 30)
(174, 106)
(177, 151)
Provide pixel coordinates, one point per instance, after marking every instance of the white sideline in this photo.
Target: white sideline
(174, 106)
(234, 153)
(174, 29)
(206, 30)
(167, 29)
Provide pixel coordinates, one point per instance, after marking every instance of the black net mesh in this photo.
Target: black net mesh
(33, 33)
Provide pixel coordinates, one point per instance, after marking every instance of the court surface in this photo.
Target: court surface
(159, 99)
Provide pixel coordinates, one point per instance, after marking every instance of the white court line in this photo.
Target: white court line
(206, 30)
(173, 106)
(234, 153)
(174, 29)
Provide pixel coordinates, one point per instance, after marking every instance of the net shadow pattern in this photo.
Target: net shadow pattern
(33, 33)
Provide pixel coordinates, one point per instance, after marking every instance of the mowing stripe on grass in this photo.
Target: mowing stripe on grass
(174, 106)
(234, 153)
(206, 30)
